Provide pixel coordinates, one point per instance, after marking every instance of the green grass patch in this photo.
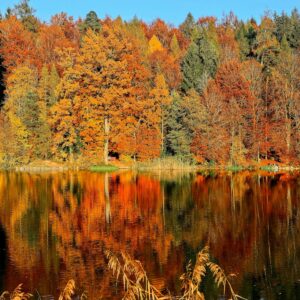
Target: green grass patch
(103, 168)
(235, 168)
(270, 168)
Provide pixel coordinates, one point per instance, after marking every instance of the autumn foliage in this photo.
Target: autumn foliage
(208, 92)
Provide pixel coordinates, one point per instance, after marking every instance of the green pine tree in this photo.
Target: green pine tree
(188, 26)
(241, 37)
(177, 137)
(91, 22)
(199, 64)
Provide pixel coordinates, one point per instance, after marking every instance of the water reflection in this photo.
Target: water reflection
(54, 227)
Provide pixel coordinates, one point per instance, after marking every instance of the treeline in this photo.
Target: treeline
(215, 92)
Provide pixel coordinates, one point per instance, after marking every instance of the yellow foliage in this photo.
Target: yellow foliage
(155, 45)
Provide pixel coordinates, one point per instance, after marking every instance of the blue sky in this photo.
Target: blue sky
(172, 11)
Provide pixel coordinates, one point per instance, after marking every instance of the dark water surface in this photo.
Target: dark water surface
(55, 226)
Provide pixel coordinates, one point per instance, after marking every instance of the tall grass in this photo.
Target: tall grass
(166, 163)
(17, 294)
(68, 293)
(135, 281)
(137, 285)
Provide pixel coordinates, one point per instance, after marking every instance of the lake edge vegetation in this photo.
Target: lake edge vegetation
(136, 284)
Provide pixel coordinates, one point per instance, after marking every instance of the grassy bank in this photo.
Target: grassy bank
(103, 168)
(159, 164)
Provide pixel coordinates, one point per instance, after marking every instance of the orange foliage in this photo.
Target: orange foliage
(107, 102)
(163, 62)
(51, 40)
(17, 44)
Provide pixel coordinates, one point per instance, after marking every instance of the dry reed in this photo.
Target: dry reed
(137, 286)
(17, 294)
(135, 281)
(69, 292)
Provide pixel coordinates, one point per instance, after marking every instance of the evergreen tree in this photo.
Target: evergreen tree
(199, 64)
(283, 26)
(177, 138)
(91, 22)
(35, 125)
(295, 38)
(188, 26)
(241, 37)
(251, 37)
(284, 45)
(8, 13)
(267, 46)
(288, 27)
(25, 13)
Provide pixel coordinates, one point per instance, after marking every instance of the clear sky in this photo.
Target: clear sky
(172, 11)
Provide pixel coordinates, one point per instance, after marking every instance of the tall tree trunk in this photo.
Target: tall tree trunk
(240, 143)
(106, 140)
(232, 146)
(266, 115)
(71, 154)
(162, 136)
(254, 133)
(288, 138)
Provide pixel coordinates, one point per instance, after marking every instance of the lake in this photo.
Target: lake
(56, 226)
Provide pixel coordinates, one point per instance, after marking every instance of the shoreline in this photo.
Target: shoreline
(152, 166)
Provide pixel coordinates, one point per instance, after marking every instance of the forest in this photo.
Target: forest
(211, 92)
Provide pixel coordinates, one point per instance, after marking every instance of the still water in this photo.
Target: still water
(55, 226)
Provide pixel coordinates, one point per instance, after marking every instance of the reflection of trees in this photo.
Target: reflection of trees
(251, 222)
(24, 216)
(59, 224)
(73, 217)
(121, 212)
